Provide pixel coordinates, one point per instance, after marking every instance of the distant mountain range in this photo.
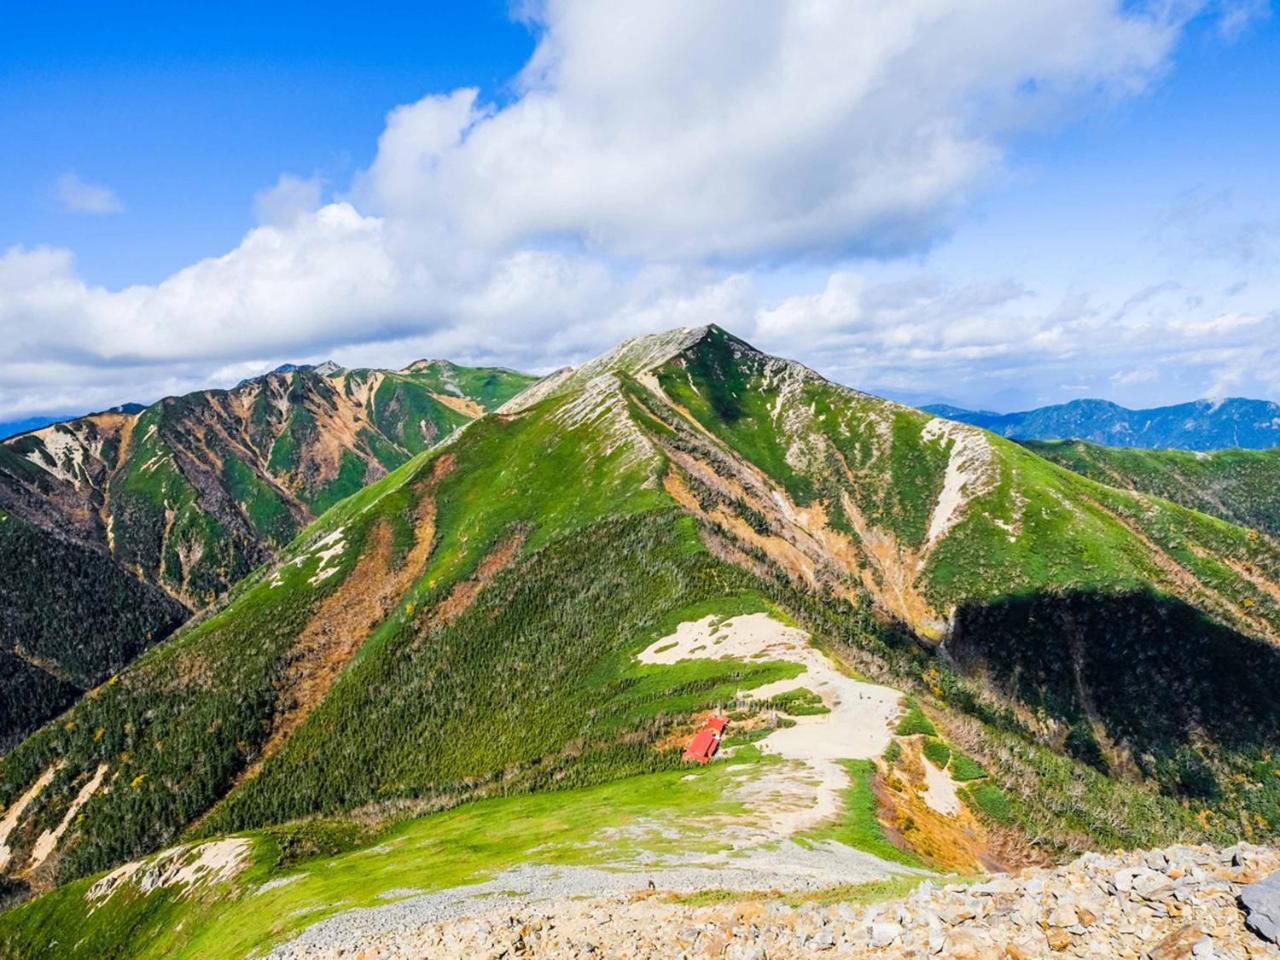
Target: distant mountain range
(11, 428)
(1199, 425)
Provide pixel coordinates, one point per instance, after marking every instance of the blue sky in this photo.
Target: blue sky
(186, 110)
(1003, 208)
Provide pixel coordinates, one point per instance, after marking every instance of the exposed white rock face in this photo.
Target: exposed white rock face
(971, 472)
(15, 811)
(601, 405)
(63, 453)
(186, 867)
(631, 357)
(48, 841)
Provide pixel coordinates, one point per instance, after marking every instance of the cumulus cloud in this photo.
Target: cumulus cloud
(80, 196)
(288, 199)
(928, 339)
(674, 131)
(657, 160)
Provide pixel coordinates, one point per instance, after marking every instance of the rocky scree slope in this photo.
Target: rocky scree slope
(1170, 904)
(185, 497)
(504, 580)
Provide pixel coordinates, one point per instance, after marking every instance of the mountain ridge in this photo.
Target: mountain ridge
(1235, 422)
(191, 493)
(507, 580)
(1240, 486)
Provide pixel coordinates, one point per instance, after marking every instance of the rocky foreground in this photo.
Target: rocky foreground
(1165, 904)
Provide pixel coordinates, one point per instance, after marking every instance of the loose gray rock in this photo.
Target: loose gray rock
(1101, 907)
(1261, 903)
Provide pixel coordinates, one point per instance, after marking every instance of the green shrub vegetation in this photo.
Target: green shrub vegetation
(991, 801)
(800, 702)
(937, 752)
(914, 721)
(965, 768)
(858, 825)
(53, 595)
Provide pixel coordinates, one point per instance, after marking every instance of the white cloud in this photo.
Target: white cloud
(80, 196)
(1236, 16)
(672, 131)
(288, 199)
(658, 159)
(932, 340)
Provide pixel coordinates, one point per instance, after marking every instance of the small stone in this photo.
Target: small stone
(1059, 939)
(956, 915)
(883, 934)
(823, 940)
(1063, 916)
(1177, 945)
(1150, 885)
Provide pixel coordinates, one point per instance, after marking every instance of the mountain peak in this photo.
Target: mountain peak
(430, 365)
(324, 368)
(632, 357)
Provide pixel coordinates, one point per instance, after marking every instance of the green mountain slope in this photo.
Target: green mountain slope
(51, 592)
(467, 625)
(194, 491)
(188, 496)
(1242, 486)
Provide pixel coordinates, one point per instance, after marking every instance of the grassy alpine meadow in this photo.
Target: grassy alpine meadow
(277, 896)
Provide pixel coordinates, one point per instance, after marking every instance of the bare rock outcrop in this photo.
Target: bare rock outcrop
(1181, 902)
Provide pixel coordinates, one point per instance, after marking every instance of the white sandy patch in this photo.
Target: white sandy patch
(970, 472)
(63, 454)
(48, 840)
(275, 882)
(184, 867)
(12, 815)
(940, 790)
(328, 548)
(859, 725)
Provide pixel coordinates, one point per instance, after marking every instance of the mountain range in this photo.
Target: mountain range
(531, 604)
(1200, 425)
(117, 525)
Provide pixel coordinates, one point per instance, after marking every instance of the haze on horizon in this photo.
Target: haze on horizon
(1001, 205)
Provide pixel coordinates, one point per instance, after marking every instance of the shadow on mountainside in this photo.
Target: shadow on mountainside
(1150, 676)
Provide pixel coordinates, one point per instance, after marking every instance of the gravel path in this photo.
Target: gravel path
(1175, 904)
(790, 867)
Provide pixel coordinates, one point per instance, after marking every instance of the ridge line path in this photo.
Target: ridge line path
(755, 849)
